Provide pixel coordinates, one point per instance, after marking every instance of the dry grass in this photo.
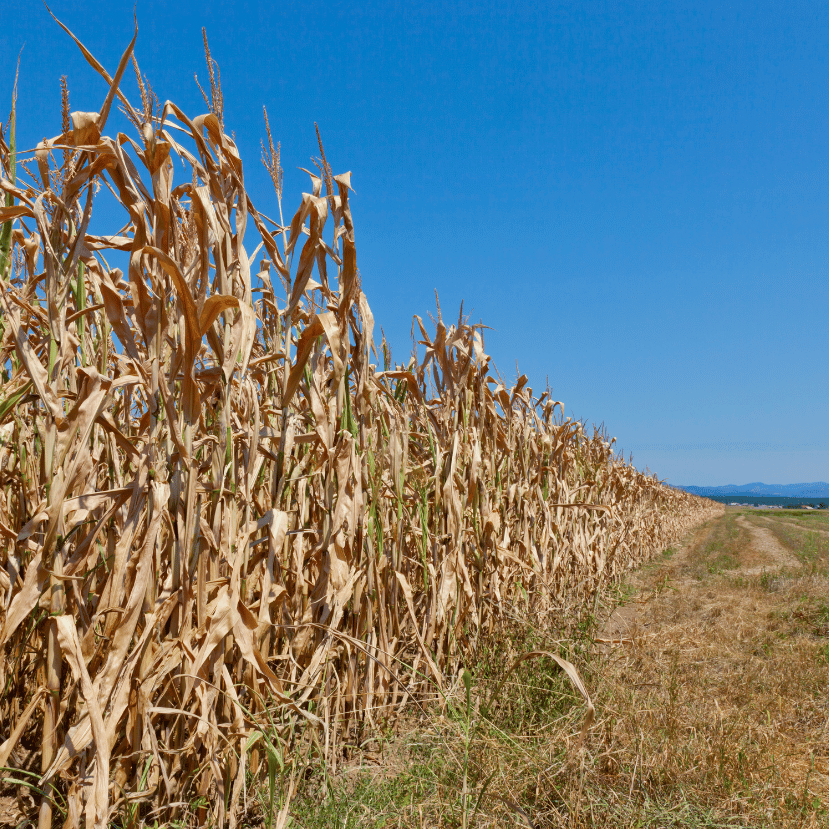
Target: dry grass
(723, 691)
(231, 544)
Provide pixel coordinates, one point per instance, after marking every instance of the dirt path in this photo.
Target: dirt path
(764, 542)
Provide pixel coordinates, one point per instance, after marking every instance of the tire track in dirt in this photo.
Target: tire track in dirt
(764, 542)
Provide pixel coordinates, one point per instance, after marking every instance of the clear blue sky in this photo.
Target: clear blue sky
(633, 195)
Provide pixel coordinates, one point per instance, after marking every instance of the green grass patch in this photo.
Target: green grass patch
(723, 561)
(816, 518)
(720, 552)
(369, 797)
(811, 614)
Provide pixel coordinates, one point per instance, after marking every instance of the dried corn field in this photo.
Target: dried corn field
(227, 534)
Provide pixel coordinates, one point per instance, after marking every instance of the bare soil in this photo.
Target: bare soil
(766, 547)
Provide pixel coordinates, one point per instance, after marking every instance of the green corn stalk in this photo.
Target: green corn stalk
(10, 402)
(80, 303)
(347, 421)
(6, 229)
(400, 391)
(424, 525)
(432, 448)
(375, 513)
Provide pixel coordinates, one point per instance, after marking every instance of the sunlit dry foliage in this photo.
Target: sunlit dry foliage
(220, 521)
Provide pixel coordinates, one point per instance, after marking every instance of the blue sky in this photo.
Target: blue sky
(635, 197)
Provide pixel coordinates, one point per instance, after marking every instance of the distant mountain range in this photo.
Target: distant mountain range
(819, 489)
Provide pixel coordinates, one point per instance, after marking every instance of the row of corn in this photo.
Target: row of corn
(225, 533)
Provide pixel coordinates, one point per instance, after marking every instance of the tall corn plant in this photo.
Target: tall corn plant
(223, 527)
